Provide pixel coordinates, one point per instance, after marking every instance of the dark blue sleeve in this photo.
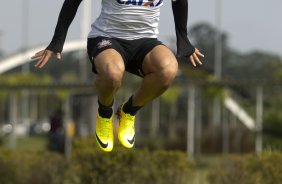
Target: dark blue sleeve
(180, 12)
(66, 16)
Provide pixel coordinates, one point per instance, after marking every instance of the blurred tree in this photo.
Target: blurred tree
(256, 65)
(203, 36)
(64, 70)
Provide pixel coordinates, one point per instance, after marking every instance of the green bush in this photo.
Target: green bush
(89, 165)
(131, 166)
(249, 169)
(31, 168)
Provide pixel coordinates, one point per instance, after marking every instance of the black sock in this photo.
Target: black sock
(129, 108)
(105, 111)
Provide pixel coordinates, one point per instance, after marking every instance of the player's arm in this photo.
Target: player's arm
(66, 16)
(184, 47)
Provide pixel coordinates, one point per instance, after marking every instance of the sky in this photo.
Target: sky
(250, 24)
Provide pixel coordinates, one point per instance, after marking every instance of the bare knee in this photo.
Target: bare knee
(110, 68)
(168, 73)
(111, 77)
(161, 63)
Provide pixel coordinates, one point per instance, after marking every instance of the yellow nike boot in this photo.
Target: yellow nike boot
(104, 133)
(126, 130)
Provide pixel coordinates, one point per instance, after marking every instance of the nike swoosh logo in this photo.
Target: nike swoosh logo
(132, 140)
(101, 143)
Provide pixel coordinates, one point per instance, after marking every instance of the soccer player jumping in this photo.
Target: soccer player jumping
(124, 38)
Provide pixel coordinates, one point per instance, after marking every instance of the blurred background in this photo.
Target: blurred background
(224, 116)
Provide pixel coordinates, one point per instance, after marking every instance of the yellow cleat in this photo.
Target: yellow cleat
(126, 131)
(104, 133)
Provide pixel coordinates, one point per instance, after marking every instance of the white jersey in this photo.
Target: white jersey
(127, 19)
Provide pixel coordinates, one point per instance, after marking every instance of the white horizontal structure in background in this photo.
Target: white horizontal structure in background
(21, 58)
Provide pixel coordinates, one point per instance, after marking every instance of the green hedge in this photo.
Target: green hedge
(31, 167)
(134, 166)
(249, 169)
(89, 165)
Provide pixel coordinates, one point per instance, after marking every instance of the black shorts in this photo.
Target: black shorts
(132, 51)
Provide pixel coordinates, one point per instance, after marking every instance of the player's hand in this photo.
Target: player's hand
(195, 58)
(44, 56)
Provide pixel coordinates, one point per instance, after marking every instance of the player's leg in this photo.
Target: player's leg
(109, 66)
(110, 69)
(160, 67)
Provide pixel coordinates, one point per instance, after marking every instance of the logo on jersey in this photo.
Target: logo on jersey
(151, 3)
